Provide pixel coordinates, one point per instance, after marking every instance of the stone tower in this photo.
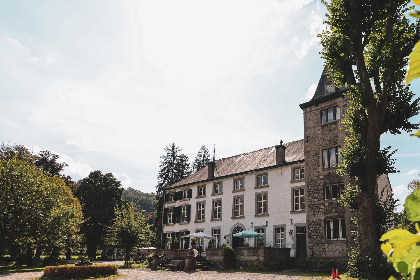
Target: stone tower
(328, 223)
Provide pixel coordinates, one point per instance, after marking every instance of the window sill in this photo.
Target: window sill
(214, 220)
(203, 221)
(328, 168)
(170, 202)
(297, 211)
(216, 194)
(330, 122)
(169, 224)
(184, 223)
(261, 215)
(261, 187)
(239, 217)
(185, 199)
(200, 196)
(297, 181)
(241, 190)
(336, 240)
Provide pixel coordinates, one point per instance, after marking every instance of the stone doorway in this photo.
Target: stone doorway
(236, 241)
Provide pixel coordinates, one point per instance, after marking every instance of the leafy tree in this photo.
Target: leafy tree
(35, 208)
(129, 230)
(173, 168)
(140, 200)
(366, 50)
(202, 159)
(99, 194)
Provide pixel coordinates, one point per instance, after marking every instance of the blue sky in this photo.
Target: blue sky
(108, 84)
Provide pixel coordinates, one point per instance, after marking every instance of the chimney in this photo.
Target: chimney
(280, 153)
(210, 167)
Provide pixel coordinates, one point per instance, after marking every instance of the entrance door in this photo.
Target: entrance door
(301, 242)
(236, 241)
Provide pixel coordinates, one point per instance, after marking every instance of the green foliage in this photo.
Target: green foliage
(80, 271)
(173, 168)
(99, 194)
(129, 230)
(140, 200)
(202, 159)
(229, 257)
(35, 208)
(402, 247)
(379, 268)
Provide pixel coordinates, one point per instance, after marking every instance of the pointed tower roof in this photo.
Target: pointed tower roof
(324, 91)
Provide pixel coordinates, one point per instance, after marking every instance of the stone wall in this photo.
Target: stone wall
(267, 254)
(322, 136)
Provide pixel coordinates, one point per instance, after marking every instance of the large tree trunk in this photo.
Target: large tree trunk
(91, 249)
(29, 255)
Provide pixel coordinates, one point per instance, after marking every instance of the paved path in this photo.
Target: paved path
(132, 274)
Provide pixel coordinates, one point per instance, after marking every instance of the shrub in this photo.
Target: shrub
(229, 257)
(80, 271)
(321, 265)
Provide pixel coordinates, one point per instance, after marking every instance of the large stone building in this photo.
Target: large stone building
(287, 192)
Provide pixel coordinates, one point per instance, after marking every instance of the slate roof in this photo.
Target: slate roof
(255, 160)
(321, 93)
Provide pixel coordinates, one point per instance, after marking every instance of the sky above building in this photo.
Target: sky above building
(108, 84)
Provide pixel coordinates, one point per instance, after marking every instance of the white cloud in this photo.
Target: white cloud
(311, 91)
(401, 189)
(316, 26)
(123, 177)
(411, 172)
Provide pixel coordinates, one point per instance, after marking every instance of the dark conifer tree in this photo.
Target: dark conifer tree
(202, 159)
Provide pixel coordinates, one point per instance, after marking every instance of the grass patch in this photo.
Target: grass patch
(136, 265)
(19, 269)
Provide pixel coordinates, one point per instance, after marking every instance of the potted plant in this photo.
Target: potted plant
(192, 242)
(176, 243)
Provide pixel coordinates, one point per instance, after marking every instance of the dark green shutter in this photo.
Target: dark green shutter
(165, 216)
(163, 241)
(189, 193)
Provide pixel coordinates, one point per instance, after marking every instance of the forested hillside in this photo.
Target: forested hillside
(145, 201)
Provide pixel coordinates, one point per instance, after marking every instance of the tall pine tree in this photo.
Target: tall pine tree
(202, 159)
(173, 168)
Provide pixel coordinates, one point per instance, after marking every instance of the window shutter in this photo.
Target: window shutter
(163, 241)
(187, 240)
(165, 216)
(190, 193)
(188, 213)
(178, 195)
(178, 214)
(166, 197)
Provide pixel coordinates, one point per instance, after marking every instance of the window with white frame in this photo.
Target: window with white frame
(298, 199)
(331, 114)
(200, 212)
(335, 229)
(298, 173)
(262, 180)
(333, 192)
(260, 241)
(183, 240)
(217, 188)
(216, 235)
(238, 206)
(262, 204)
(201, 191)
(238, 184)
(330, 157)
(184, 214)
(185, 194)
(199, 241)
(279, 237)
(170, 215)
(168, 241)
(217, 209)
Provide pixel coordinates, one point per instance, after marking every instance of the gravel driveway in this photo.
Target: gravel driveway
(131, 274)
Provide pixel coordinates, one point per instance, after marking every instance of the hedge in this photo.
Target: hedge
(80, 271)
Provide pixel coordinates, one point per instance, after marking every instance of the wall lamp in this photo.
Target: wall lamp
(291, 232)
